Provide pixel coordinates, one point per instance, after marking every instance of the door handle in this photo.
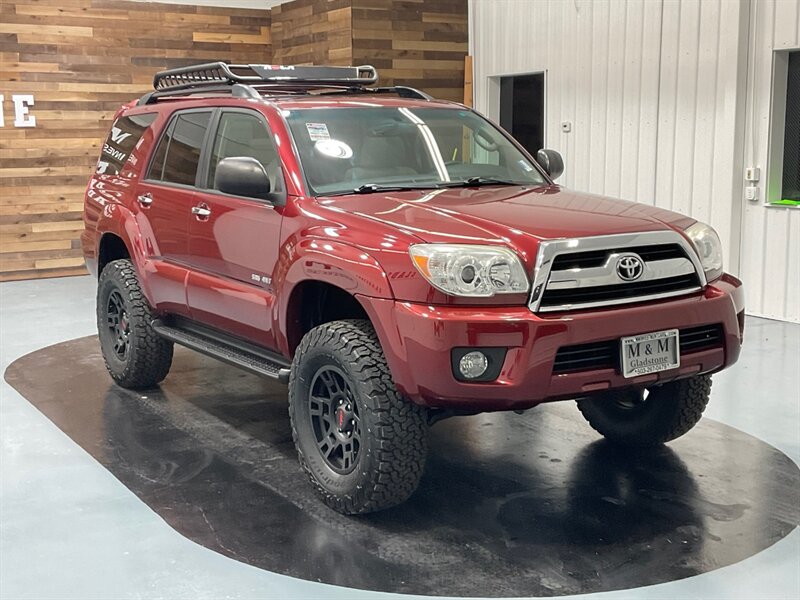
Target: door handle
(145, 199)
(201, 210)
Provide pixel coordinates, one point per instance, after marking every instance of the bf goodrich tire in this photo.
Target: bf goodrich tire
(362, 445)
(135, 355)
(664, 413)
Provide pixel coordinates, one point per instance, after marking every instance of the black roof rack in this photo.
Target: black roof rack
(219, 72)
(250, 81)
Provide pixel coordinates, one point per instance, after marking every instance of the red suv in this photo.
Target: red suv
(397, 260)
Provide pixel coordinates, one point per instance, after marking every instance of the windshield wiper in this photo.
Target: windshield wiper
(479, 181)
(371, 188)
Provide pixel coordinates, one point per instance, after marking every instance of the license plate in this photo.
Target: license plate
(650, 353)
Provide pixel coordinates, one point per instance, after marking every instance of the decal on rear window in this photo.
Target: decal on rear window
(123, 139)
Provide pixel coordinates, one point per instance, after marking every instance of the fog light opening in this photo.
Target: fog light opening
(473, 364)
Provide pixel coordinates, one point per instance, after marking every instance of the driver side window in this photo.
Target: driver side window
(240, 134)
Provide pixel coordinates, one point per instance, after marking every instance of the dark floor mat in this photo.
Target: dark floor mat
(510, 505)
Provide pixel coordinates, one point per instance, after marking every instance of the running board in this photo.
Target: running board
(249, 360)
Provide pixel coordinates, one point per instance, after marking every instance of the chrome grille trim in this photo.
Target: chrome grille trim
(545, 279)
(606, 275)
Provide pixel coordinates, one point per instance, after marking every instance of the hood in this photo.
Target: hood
(506, 214)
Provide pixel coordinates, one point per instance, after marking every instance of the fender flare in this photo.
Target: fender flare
(342, 265)
(120, 221)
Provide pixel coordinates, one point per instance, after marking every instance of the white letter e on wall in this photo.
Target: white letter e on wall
(21, 104)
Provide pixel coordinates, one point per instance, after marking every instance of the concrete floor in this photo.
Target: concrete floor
(69, 529)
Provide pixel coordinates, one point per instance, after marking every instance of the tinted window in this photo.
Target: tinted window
(240, 134)
(125, 134)
(157, 164)
(178, 152)
(791, 139)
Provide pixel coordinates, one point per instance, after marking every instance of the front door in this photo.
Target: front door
(166, 197)
(235, 240)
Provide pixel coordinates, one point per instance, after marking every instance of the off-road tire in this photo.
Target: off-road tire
(393, 430)
(149, 356)
(669, 411)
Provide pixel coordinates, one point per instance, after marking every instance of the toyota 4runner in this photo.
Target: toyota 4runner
(396, 259)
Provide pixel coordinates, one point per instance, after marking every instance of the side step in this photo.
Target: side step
(247, 358)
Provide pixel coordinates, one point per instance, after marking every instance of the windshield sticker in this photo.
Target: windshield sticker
(318, 131)
(334, 149)
(524, 164)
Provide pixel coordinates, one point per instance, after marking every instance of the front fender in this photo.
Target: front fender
(339, 264)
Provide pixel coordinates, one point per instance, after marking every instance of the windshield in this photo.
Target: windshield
(343, 149)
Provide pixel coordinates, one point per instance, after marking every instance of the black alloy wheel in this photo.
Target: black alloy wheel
(631, 399)
(119, 324)
(362, 444)
(335, 421)
(135, 355)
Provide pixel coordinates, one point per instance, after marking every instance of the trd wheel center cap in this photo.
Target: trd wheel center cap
(344, 421)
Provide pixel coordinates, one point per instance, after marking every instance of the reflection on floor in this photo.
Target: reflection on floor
(510, 505)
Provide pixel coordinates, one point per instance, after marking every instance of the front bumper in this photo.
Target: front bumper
(417, 340)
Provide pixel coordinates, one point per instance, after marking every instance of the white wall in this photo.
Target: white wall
(655, 91)
(771, 235)
(601, 75)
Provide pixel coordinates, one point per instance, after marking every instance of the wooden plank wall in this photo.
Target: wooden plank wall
(82, 59)
(420, 43)
(312, 32)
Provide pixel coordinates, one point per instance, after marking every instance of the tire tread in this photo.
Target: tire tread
(151, 355)
(683, 407)
(400, 430)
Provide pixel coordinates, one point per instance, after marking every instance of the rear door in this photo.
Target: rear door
(235, 240)
(166, 197)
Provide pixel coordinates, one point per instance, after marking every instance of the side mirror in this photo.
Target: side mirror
(551, 162)
(243, 176)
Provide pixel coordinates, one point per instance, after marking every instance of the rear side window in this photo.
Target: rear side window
(178, 153)
(122, 140)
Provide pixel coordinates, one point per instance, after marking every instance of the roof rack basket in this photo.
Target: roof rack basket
(221, 73)
(247, 81)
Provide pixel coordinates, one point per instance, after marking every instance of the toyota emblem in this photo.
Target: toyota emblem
(630, 267)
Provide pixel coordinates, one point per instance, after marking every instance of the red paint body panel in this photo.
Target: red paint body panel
(229, 286)
(237, 269)
(417, 339)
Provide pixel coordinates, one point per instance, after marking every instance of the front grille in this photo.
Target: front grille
(597, 258)
(602, 271)
(587, 357)
(630, 291)
(605, 355)
(700, 338)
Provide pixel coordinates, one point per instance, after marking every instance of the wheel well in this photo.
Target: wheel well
(313, 303)
(111, 248)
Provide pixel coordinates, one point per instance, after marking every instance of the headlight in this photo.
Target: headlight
(709, 248)
(470, 270)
